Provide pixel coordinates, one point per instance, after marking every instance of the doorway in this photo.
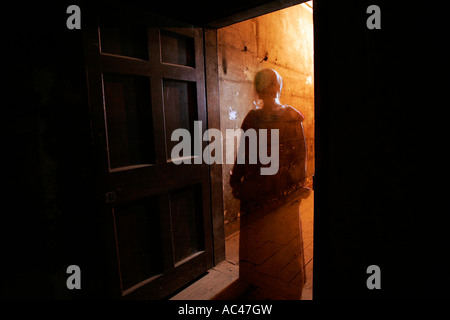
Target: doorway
(283, 41)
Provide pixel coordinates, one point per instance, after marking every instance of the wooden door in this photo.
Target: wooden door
(144, 82)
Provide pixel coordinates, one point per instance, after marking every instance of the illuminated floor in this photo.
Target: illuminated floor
(226, 274)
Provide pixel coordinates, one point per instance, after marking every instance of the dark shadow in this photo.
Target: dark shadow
(271, 260)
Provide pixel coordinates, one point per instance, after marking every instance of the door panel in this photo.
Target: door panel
(129, 120)
(177, 49)
(180, 109)
(145, 82)
(138, 241)
(125, 40)
(186, 207)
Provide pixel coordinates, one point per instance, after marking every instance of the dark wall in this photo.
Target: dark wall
(47, 216)
(379, 188)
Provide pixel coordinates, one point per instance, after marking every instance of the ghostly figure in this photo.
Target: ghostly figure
(271, 245)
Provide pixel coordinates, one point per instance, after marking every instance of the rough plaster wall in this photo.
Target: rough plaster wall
(281, 40)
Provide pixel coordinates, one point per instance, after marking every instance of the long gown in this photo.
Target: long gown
(271, 246)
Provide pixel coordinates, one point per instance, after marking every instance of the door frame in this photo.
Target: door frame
(213, 104)
(213, 115)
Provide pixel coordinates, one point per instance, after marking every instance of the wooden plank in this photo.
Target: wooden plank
(176, 72)
(237, 290)
(294, 269)
(228, 269)
(212, 287)
(207, 223)
(185, 31)
(156, 88)
(112, 63)
(276, 286)
(96, 106)
(309, 276)
(232, 249)
(192, 290)
(166, 231)
(213, 111)
(264, 252)
(280, 259)
(146, 181)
